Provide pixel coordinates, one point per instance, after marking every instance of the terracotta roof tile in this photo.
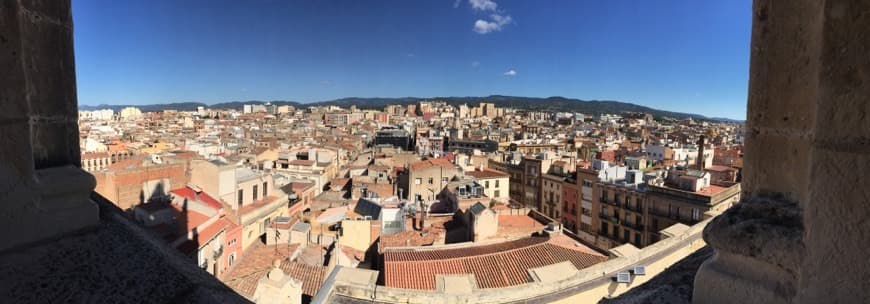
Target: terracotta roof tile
(203, 197)
(497, 265)
(487, 173)
(257, 261)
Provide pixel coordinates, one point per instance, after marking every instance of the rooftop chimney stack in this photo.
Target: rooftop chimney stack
(699, 161)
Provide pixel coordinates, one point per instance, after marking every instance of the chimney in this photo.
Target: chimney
(699, 161)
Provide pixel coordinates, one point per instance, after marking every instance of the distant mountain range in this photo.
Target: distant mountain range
(553, 104)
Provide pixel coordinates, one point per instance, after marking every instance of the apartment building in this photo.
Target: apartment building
(423, 180)
(251, 197)
(496, 184)
(551, 195)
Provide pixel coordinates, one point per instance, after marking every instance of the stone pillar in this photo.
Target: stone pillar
(801, 233)
(837, 217)
(43, 192)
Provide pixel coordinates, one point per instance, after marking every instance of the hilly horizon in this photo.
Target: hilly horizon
(551, 104)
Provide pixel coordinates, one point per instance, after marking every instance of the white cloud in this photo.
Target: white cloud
(457, 3)
(475, 64)
(510, 73)
(483, 5)
(498, 21)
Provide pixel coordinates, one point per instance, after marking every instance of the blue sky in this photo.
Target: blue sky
(680, 55)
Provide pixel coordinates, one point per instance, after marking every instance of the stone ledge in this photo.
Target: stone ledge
(112, 262)
(673, 286)
(765, 228)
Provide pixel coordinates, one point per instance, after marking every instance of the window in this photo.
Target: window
(232, 258)
(496, 183)
(444, 179)
(241, 197)
(418, 181)
(265, 189)
(486, 184)
(696, 214)
(255, 192)
(431, 181)
(497, 193)
(626, 235)
(603, 228)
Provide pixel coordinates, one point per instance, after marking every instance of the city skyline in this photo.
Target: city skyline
(675, 56)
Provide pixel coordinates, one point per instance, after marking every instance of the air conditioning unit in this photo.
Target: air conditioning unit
(623, 277)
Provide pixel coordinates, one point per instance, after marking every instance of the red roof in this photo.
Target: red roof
(204, 236)
(301, 162)
(487, 173)
(430, 163)
(711, 190)
(191, 219)
(497, 265)
(257, 204)
(203, 197)
(211, 231)
(719, 168)
(257, 261)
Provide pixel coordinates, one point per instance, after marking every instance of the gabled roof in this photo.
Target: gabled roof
(202, 197)
(493, 266)
(487, 173)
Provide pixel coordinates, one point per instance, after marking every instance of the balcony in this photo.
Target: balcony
(609, 218)
(609, 202)
(638, 227)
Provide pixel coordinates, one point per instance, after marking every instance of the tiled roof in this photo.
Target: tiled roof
(204, 198)
(430, 163)
(257, 204)
(257, 261)
(497, 265)
(487, 173)
(301, 162)
(310, 276)
(719, 168)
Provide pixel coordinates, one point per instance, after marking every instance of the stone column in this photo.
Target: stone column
(801, 233)
(43, 192)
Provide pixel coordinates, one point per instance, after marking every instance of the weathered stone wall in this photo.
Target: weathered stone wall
(801, 233)
(42, 190)
(836, 268)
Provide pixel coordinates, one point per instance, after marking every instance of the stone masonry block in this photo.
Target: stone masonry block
(49, 66)
(776, 163)
(50, 142)
(12, 92)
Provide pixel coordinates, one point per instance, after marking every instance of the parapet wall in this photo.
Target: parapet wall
(582, 286)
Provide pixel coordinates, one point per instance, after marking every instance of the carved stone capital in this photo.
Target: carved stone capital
(56, 202)
(759, 249)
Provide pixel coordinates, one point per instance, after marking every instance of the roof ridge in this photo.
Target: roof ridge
(513, 249)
